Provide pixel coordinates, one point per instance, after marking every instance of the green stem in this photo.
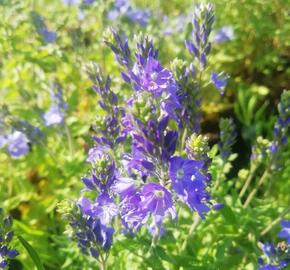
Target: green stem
(254, 191)
(247, 183)
(69, 138)
(52, 156)
(277, 220)
(193, 226)
(184, 134)
(154, 239)
(102, 262)
(218, 178)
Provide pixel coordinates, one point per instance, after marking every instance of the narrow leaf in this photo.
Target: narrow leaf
(33, 254)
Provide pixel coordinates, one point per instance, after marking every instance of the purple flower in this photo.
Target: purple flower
(190, 183)
(285, 232)
(182, 170)
(103, 209)
(218, 206)
(3, 264)
(113, 14)
(71, 2)
(96, 153)
(6, 235)
(268, 267)
(157, 201)
(140, 16)
(269, 250)
(132, 215)
(120, 8)
(88, 2)
(101, 179)
(17, 144)
(53, 116)
(124, 186)
(228, 137)
(225, 33)
(92, 236)
(202, 22)
(48, 36)
(155, 78)
(219, 81)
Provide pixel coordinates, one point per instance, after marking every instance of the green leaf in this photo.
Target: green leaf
(228, 214)
(33, 254)
(161, 253)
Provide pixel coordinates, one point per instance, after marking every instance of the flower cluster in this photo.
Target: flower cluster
(93, 238)
(260, 151)
(278, 257)
(17, 144)
(146, 74)
(108, 129)
(281, 129)
(188, 92)
(41, 28)
(6, 235)
(154, 175)
(285, 232)
(227, 137)
(123, 8)
(200, 46)
(145, 160)
(172, 26)
(17, 135)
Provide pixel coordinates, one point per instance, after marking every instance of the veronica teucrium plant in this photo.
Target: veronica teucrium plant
(149, 157)
(6, 236)
(141, 167)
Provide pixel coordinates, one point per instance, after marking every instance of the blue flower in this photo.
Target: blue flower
(6, 235)
(132, 215)
(154, 78)
(92, 236)
(125, 186)
(269, 250)
(53, 116)
(140, 16)
(228, 137)
(268, 267)
(182, 170)
(101, 179)
(48, 36)
(190, 183)
(104, 209)
(71, 2)
(157, 201)
(223, 34)
(202, 22)
(17, 144)
(219, 80)
(285, 232)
